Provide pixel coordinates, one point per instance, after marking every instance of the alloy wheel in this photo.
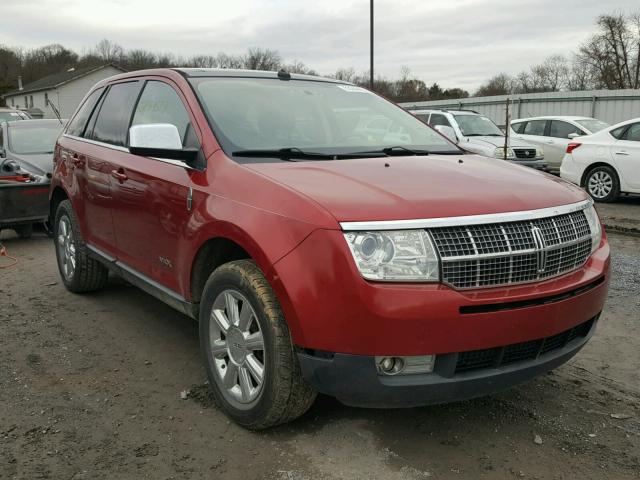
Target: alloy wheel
(600, 184)
(66, 248)
(237, 346)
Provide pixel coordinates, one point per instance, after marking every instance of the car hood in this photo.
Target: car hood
(400, 188)
(38, 164)
(497, 142)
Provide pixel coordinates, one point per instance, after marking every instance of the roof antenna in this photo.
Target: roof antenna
(284, 75)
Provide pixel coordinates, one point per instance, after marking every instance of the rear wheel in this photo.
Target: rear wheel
(602, 184)
(79, 272)
(252, 367)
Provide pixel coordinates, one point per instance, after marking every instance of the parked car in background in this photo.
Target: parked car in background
(26, 163)
(11, 114)
(478, 134)
(606, 163)
(553, 134)
(30, 144)
(316, 256)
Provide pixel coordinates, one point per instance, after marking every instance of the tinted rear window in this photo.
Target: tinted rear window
(113, 119)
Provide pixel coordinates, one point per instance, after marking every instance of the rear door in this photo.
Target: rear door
(626, 156)
(557, 140)
(103, 141)
(152, 197)
(533, 133)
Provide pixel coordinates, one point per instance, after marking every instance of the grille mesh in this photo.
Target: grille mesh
(518, 352)
(506, 253)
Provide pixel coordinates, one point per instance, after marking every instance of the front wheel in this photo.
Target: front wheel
(252, 367)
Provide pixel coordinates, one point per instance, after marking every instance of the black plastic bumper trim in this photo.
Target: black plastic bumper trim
(497, 307)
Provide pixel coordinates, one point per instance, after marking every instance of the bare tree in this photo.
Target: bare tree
(108, 51)
(262, 59)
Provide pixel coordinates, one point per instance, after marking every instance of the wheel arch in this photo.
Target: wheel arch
(58, 195)
(213, 253)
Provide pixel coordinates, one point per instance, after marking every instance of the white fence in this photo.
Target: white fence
(611, 106)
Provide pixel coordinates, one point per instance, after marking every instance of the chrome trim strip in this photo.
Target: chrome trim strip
(465, 220)
(95, 142)
(176, 163)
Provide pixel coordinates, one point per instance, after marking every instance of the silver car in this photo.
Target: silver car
(29, 144)
(553, 134)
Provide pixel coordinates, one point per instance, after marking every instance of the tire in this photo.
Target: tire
(80, 273)
(602, 184)
(24, 231)
(283, 394)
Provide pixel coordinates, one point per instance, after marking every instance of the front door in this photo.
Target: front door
(151, 205)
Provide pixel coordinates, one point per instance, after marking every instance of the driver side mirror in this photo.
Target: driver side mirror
(448, 132)
(573, 135)
(160, 140)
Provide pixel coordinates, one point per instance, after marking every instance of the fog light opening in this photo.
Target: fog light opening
(414, 365)
(390, 365)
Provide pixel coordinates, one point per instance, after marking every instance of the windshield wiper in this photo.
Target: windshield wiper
(394, 151)
(292, 153)
(289, 154)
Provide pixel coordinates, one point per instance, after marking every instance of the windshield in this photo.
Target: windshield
(477, 125)
(314, 116)
(11, 116)
(33, 139)
(593, 125)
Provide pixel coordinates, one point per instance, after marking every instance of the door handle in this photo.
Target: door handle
(550, 142)
(622, 153)
(119, 175)
(76, 161)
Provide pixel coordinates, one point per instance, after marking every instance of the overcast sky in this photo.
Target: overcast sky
(454, 42)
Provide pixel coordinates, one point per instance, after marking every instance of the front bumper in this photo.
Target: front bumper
(354, 379)
(538, 164)
(329, 306)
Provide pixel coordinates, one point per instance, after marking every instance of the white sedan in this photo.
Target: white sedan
(606, 163)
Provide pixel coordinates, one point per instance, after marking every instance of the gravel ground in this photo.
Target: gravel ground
(90, 388)
(623, 215)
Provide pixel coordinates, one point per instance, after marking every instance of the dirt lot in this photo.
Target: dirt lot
(90, 389)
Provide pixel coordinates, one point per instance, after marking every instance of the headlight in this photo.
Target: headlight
(539, 152)
(594, 226)
(398, 255)
(499, 153)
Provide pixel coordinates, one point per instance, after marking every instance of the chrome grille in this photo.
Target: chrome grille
(525, 153)
(512, 252)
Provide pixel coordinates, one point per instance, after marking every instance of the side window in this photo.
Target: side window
(535, 127)
(438, 119)
(518, 127)
(424, 117)
(112, 123)
(560, 129)
(633, 133)
(618, 132)
(159, 103)
(79, 122)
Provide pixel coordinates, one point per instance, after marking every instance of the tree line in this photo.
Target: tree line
(40, 62)
(609, 59)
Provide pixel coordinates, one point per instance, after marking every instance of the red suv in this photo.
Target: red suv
(326, 240)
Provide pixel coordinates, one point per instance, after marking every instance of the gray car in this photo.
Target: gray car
(29, 144)
(11, 114)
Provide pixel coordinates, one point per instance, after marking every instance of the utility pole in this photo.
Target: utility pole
(506, 129)
(371, 45)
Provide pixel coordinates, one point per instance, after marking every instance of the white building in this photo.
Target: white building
(65, 90)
